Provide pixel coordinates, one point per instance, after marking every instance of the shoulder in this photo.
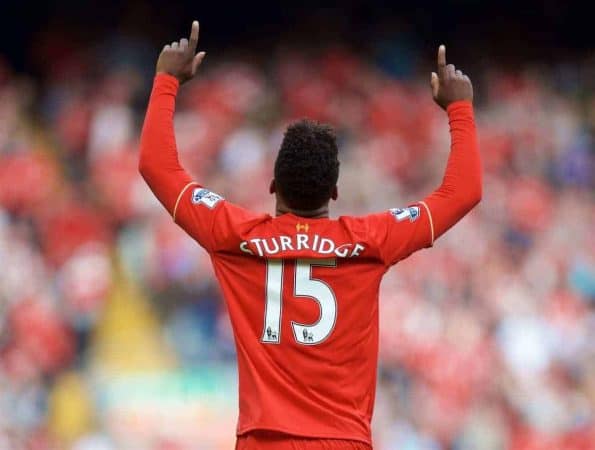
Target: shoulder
(364, 223)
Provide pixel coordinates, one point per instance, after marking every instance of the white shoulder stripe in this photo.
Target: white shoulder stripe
(180, 196)
(431, 221)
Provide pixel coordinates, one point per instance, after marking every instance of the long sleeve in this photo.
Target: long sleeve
(205, 215)
(401, 231)
(158, 162)
(461, 187)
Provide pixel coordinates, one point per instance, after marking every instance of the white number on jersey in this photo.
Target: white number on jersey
(306, 287)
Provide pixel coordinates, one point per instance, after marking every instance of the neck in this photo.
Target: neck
(319, 213)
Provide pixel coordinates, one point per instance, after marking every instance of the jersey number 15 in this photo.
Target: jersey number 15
(304, 286)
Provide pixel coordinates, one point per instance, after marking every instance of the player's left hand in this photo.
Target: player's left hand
(449, 84)
(180, 58)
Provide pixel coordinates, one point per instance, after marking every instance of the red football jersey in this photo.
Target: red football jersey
(302, 293)
(302, 296)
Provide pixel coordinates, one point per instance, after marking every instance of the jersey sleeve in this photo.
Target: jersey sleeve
(209, 219)
(399, 232)
(402, 231)
(158, 159)
(461, 187)
(203, 214)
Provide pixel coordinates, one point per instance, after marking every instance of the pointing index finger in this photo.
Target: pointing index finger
(193, 41)
(442, 61)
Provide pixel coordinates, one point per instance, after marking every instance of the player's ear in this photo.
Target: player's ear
(272, 188)
(335, 193)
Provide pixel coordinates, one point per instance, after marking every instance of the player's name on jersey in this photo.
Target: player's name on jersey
(300, 242)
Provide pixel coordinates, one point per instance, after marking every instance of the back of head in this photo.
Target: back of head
(307, 167)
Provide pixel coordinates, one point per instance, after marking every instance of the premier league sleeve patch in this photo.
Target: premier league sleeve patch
(411, 213)
(206, 197)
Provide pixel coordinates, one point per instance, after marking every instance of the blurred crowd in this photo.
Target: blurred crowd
(486, 339)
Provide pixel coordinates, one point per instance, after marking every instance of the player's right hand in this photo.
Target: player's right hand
(179, 58)
(449, 84)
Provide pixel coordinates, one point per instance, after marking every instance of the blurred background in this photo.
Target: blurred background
(113, 333)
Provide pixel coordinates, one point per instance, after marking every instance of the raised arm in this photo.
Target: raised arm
(158, 162)
(402, 231)
(461, 187)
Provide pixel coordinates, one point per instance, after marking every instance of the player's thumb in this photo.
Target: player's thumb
(435, 84)
(197, 60)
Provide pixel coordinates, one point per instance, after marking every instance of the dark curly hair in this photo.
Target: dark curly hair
(307, 167)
